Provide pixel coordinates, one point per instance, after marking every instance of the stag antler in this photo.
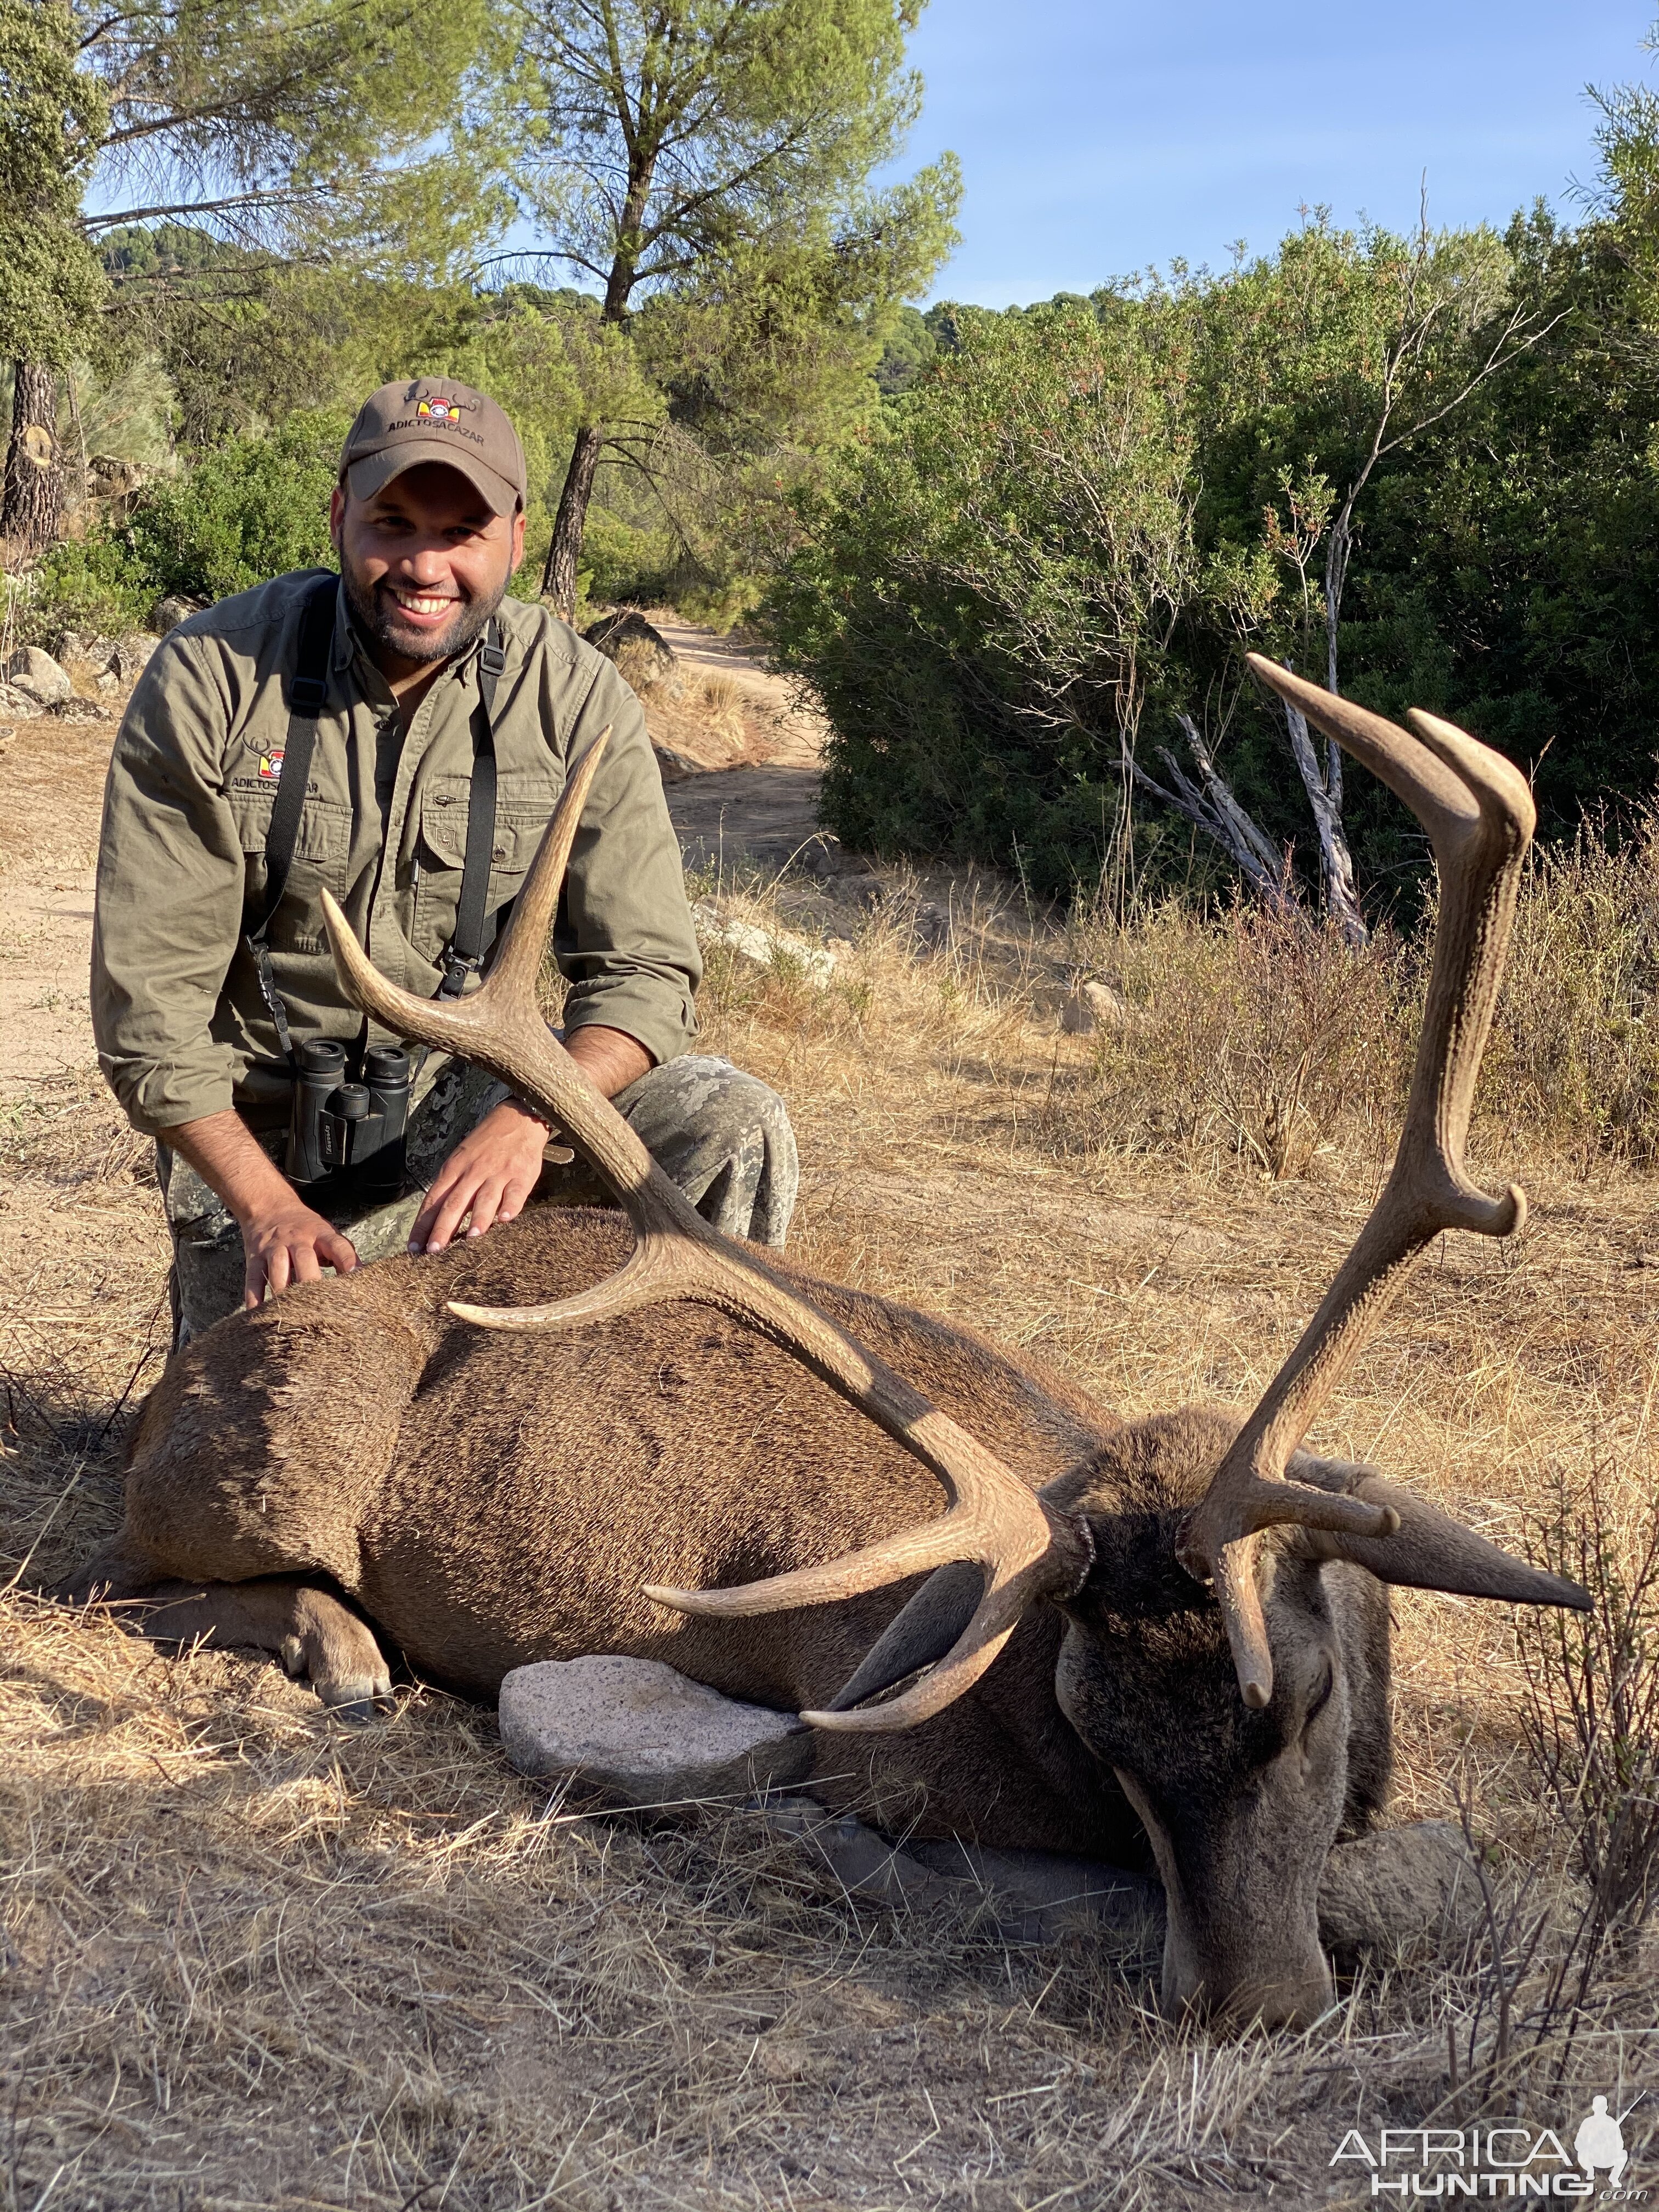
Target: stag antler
(1026, 1548)
(1479, 814)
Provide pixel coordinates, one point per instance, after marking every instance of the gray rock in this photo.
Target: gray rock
(643, 656)
(178, 606)
(1094, 1005)
(17, 705)
(1399, 1890)
(674, 766)
(130, 655)
(32, 670)
(637, 1728)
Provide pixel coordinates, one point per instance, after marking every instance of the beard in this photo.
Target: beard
(381, 621)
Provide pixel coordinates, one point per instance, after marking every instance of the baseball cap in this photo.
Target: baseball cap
(434, 419)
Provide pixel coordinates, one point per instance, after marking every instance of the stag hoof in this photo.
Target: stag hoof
(331, 1649)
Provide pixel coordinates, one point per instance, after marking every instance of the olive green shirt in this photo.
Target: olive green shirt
(182, 1030)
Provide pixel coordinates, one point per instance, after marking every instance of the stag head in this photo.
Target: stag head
(1203, 1566)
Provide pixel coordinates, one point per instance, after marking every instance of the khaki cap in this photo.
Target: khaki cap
(436, 419)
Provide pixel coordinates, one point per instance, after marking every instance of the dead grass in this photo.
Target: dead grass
(253, 1958)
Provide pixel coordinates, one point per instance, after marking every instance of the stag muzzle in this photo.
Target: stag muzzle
(1241, 1940)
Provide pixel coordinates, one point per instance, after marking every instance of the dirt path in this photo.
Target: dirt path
(765, 809)
(51, 782)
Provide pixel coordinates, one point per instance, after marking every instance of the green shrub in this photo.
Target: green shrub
(93, 585)
(251, 508)
(985, 589)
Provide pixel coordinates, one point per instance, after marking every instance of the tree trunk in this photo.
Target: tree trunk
(1210, 806)
(33, 481)
(559, 577)
(1336, 882)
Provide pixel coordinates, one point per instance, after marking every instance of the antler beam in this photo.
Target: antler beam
(1479, 814)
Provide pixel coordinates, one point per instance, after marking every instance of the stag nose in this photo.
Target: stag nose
(1293, 1997)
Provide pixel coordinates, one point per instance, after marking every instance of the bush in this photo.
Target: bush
(987, 587)
(251, 508)
(94, 584)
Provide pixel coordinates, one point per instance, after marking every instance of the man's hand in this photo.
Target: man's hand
(290, 1244)
(489, 1174)
(284, 1242)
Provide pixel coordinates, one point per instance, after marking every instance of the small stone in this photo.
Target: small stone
(32, 670)
(766, 948)
(1399, 1890)
(178, 606)
(643, 657)
(672, 765)
(1093, 1005)
(645, 1733)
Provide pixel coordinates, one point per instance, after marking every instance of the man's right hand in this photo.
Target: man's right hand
(283, 1240)
(290, 1244)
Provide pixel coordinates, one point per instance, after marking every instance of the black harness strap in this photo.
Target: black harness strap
(307, 688)
(467, 947)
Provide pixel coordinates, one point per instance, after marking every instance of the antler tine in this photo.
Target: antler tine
(1026, 1547)
(1479, 814)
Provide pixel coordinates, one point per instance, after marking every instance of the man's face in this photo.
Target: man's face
(425, 563)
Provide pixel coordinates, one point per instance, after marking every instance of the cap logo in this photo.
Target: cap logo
(438, 410)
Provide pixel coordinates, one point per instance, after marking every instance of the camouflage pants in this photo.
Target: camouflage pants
(723, 1136)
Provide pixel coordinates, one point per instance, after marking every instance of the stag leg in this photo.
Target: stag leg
(306, 1627)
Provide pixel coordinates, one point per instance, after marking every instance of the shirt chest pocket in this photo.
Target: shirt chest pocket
(442, 851)
(322, 848)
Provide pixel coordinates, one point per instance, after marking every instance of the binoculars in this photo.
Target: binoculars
(348, 1132)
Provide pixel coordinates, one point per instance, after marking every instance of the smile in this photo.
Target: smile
(429, 606)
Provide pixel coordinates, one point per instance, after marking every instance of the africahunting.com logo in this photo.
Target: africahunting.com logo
(1503, 2160)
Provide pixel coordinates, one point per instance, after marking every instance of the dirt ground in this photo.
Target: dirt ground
(252, 1960)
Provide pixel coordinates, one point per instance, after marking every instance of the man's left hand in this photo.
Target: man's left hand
(489, 1174)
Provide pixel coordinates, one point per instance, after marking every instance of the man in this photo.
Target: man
(417, 667)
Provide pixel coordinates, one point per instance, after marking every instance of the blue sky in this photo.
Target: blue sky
(1098, 137)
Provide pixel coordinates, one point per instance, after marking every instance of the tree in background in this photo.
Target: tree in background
(707, 151)
(293, 129)
(989, 586)
(52, 120)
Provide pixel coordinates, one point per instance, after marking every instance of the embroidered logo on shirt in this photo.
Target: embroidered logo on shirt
(271, 766)
(438, 410)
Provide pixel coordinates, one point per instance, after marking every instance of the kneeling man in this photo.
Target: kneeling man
(399, 735)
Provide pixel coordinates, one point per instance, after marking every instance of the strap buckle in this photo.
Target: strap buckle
(491, 659)
(305, 695)
(457, 968)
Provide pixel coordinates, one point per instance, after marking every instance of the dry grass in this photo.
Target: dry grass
(254, 1959)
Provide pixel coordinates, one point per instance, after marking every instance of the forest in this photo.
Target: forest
(1019, 555)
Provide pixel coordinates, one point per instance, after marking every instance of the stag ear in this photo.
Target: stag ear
(1430, 1550)
(922, 1630)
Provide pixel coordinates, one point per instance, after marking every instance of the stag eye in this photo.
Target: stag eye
(1321, 1696)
